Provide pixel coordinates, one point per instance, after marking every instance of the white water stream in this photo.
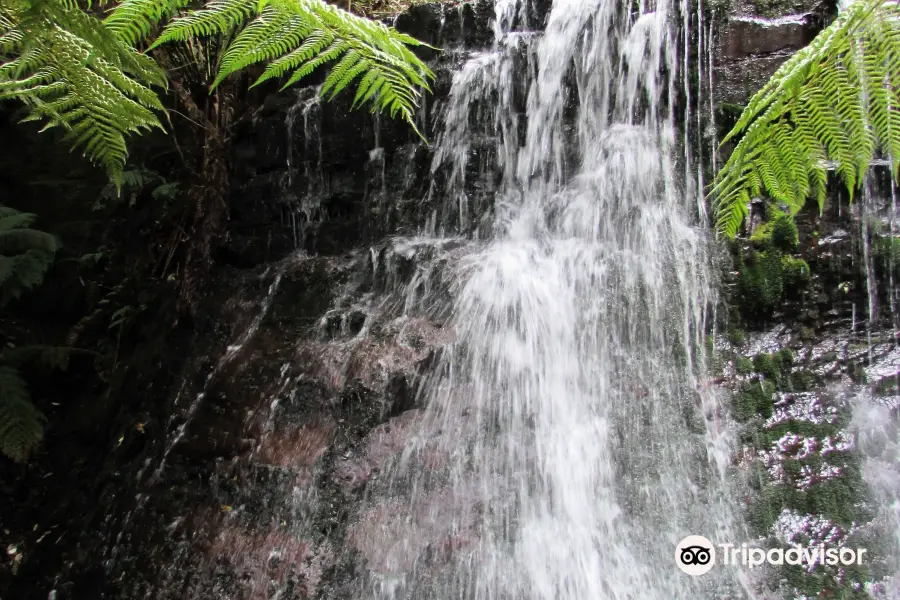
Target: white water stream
(578, 440)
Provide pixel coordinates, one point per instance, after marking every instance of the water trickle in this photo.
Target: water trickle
(304, 204)
(876, 425)
(568, 439)
(177, 434)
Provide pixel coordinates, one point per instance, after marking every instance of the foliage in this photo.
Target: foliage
(25, 254)
(73, 73)
(299, 36)
(21, 424)
(834, 100)
(136, 180)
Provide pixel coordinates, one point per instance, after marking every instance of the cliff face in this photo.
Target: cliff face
(238, 470)
(808, 352)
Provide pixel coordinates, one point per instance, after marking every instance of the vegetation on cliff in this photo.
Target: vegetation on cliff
(831, 106)
(99, 74)
(83, 73)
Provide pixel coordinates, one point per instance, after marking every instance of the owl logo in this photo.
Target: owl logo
(695, 555)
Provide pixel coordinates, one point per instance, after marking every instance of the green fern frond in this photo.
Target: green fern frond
(21, 424)
(299, 36)
(73, 72)
(165, 191)
(25, 254)
(835, 100)
(217, 16)
(135, 20)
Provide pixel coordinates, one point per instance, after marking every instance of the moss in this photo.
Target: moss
(785, 236)
(736, 336)
(743, 365)
(802, 381)
(776, 367)
(834, 499)
(779, 233)
(806, 333)
(752, 400)
(767, 365)
(886, 387)
(887, 249)
(804, 428)
(768, 504)
(857, 373)
(785, 358)
(795, 271)
(760, 284)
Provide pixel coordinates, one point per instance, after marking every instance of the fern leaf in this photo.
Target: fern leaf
(73, 72)
(49, 357)
(25, 254)
(21, 424)
(218, 16)
(299, 36)
(134, 20)
(835, 100)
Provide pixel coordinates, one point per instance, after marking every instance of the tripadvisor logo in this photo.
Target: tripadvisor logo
(696, 555)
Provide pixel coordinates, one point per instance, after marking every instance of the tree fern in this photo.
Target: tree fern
(21, 424)
(832, 106)
(25, 254)
(77, 72)
(299, 36)
(74, 73)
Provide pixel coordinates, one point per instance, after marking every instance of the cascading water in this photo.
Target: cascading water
(569, 440)
(556, 292)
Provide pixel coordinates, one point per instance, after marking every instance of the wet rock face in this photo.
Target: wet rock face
(753, 43)
(326, 178)
(248, 483)
(275, 438)
(804, 381)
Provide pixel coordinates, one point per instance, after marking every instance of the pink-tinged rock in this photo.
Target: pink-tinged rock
(373, 362)
(293, 447)
(260, 558)
(268, 558)
(394, 538)
(386, 441)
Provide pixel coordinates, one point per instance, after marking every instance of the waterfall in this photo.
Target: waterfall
(877, 433)
(568, 439)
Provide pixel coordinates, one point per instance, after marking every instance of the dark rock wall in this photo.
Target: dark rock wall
(242, 472)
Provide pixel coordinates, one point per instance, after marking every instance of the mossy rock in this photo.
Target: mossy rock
(754, 399)
(760, 284)
(779, 233)
(802, 381)
(768, 504)
(796, 273)
(736, 337)
(776, 367)
(743, 365)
